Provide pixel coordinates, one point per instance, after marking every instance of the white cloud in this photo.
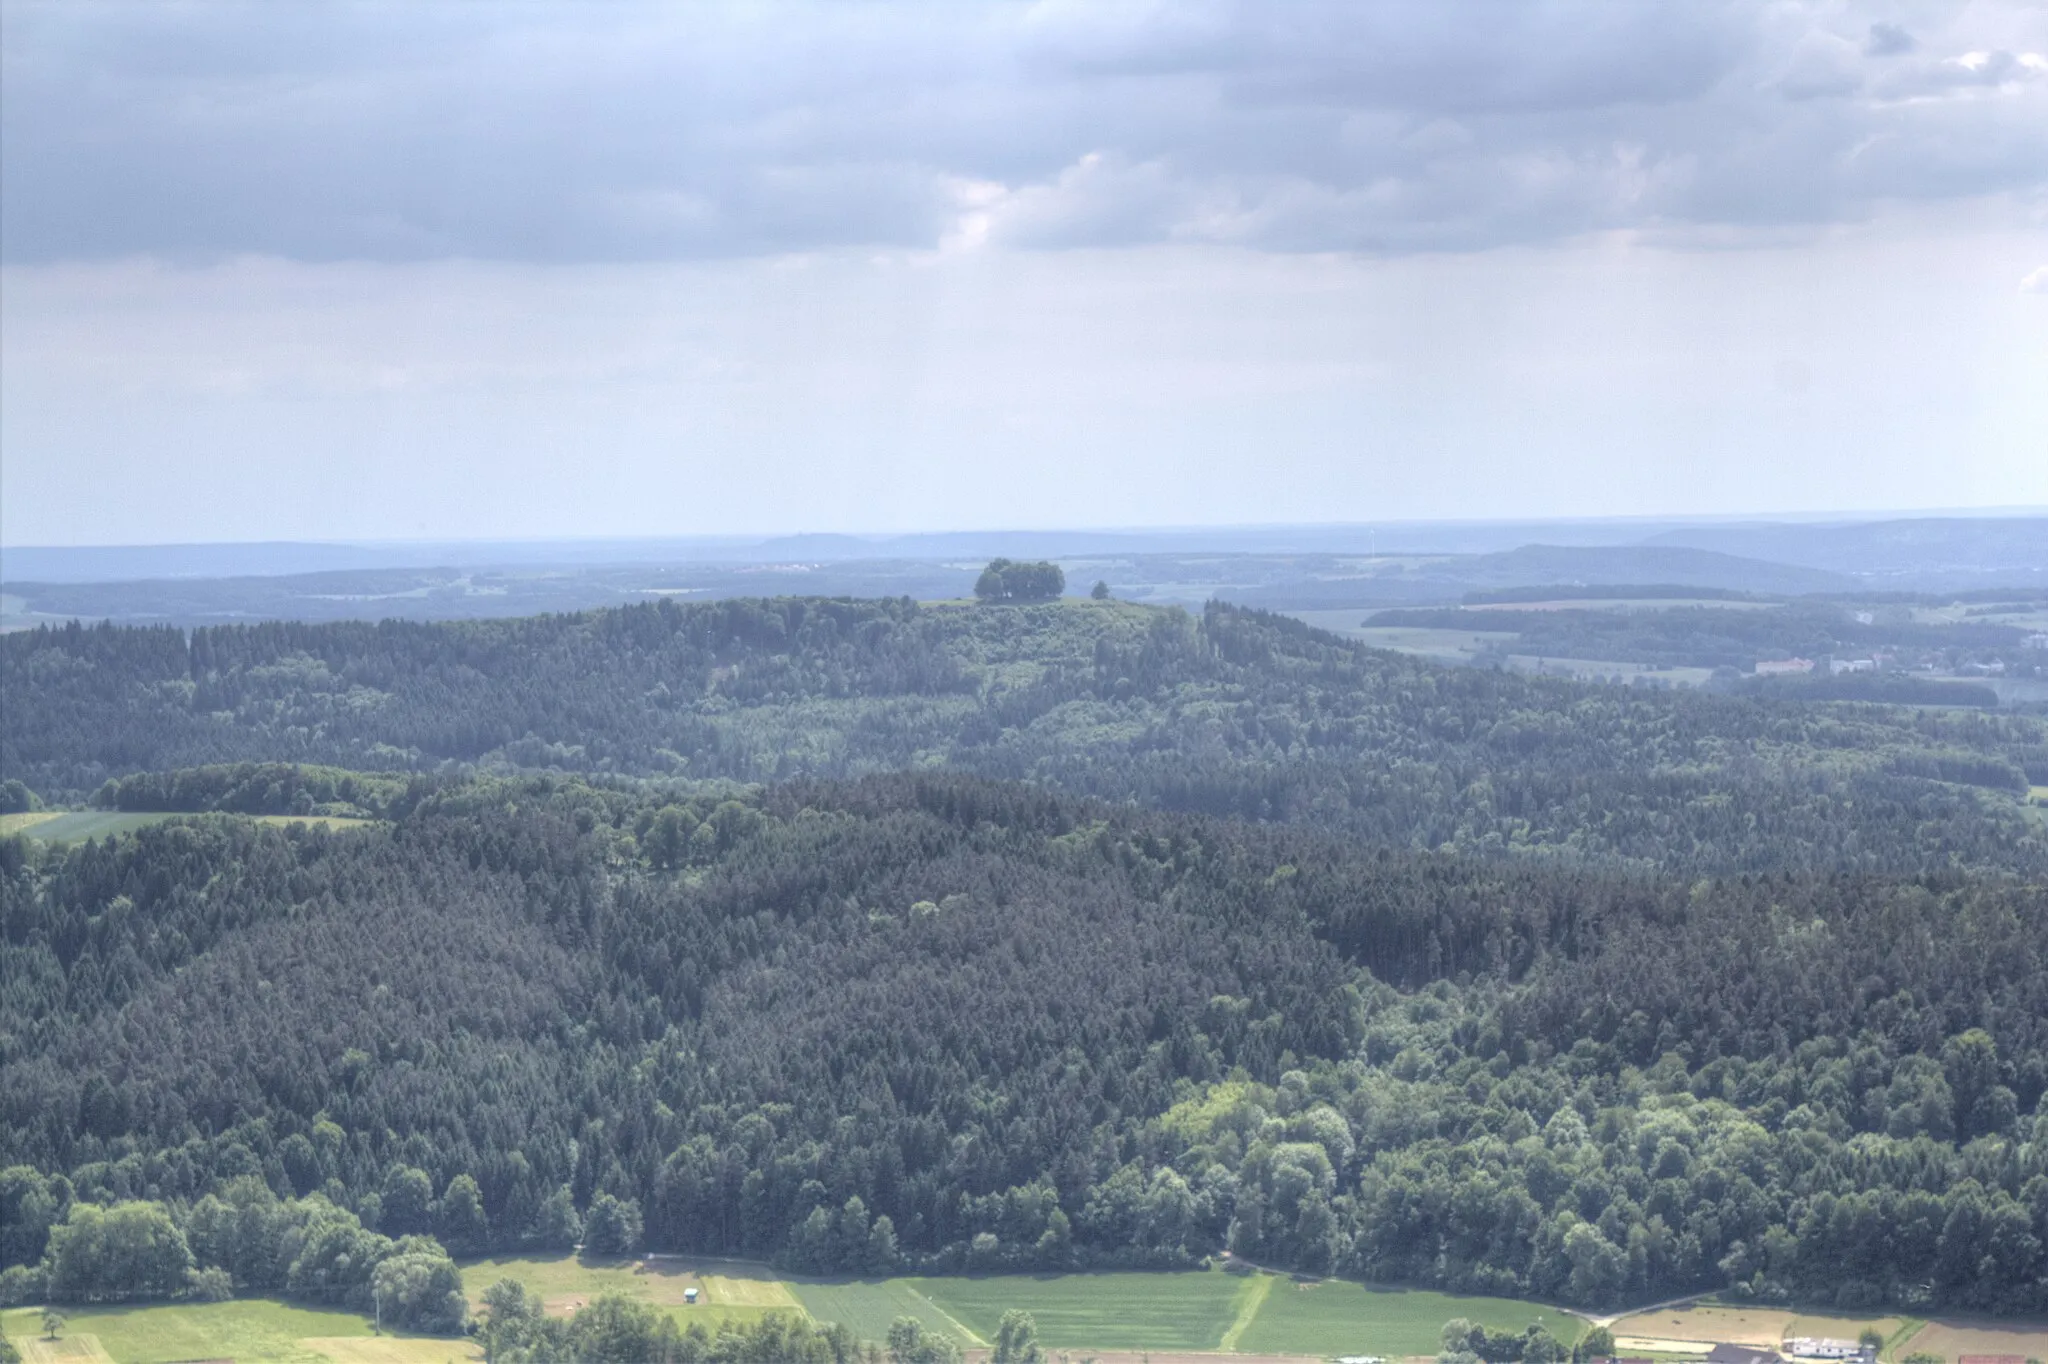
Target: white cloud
(2036, 282)
(588, 133)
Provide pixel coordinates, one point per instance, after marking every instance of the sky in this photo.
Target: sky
(340, 272)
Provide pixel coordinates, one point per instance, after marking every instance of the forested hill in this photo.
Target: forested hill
(936, 1021)
(1234, 712)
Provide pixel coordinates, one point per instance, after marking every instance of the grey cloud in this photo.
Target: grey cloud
(591, 133)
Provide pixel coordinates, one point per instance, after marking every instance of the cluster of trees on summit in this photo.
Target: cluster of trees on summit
(1010, 580)
(939, 1023)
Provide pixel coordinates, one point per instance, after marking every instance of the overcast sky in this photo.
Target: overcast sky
(308, 271)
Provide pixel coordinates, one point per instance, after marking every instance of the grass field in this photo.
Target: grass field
(727, 1289)
(75, 826)
(1334, 1317)
(868, 1306)
(1168, 1314)
(1193, 1311)
(1183, 1311)
(248, 1330)
(22, 823)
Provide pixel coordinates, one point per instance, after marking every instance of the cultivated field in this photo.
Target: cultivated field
(1175, 1314)
(868, 1306)
(1183, 1311)
(248, 1330)
(1953, 1337)
(1693, 1329)
(1668, 1329)
(1195, 1317)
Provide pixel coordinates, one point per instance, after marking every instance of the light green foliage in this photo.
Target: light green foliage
(910, 1343)
(1017, 1340)
(130, 1250)
(418, 1286)
(617, 1329)
(612, 1226)
(511, 1319)
(211, 1284)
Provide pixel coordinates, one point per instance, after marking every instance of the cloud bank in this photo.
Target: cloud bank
(586, 133)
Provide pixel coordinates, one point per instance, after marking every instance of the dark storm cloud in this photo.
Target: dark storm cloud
(584, 133)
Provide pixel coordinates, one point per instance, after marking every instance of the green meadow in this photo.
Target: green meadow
(1110, 1311)
(1332, 1316)
(247, 1330)
(1195, 1310)
(75, 826)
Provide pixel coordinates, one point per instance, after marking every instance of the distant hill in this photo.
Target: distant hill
(1281, 567)
(1230, 712)
(1533, 564)
(1921, 554)
(1450, 577)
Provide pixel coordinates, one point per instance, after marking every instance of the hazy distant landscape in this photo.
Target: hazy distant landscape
(779, 682)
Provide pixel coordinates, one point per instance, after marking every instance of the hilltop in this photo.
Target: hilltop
(1231, 712)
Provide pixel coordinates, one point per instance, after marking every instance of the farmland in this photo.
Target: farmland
(1192, 1311)
(1694, 1328)
(1206, 1312)
(1262, 1314)
(1951, 1338)
(1337, 1317)
(867, 1306)
(1184, 1311)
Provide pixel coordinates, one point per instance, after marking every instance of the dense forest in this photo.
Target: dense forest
(1234, 713)
(943, 1022)
(860, 935)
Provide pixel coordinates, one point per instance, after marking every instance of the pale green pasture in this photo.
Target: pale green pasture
(868, 1306)
(75, 826)
(1108, 1311)
(247, 1330)
(726, 1289)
